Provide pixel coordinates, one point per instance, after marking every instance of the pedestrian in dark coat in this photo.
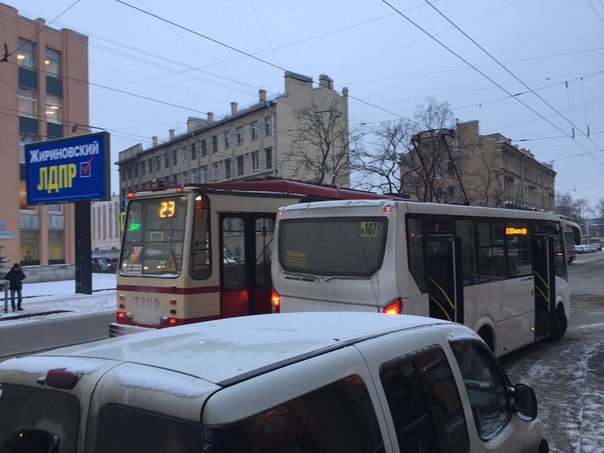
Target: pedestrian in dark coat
(15, 277)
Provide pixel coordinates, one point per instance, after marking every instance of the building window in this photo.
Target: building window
(24, 139)
(194, 175)
(27, 102)
(240, 135)
(53, 109)
(143, 168)
(150, 166)
(215, 171)
(184, 154)
(174, 157)
(193, 151)
(227, 169)
(240, 168)
(268, 126)
(254, 130)
(451, 191)
(185, 177)
(204, 173)
(255, 161)
(214, 143)
(227, 139)
(158, 163)
(166, 160)
(53, 62)
(204, 147)
(25, 54)
(269, 157)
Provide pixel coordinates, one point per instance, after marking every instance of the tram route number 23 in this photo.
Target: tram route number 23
(146, 302)
(369, 229)
(166, 209)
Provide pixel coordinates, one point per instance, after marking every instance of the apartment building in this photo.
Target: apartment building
(105, 225)
(463, 167)
(43, 95)
(259, 141)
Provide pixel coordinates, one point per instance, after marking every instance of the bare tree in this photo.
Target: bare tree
(600, 208)
(380, 170)
(392, 165)
(320, 150)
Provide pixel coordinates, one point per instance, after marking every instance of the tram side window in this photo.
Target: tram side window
(233, 253)
(201, 262)
(265, 232)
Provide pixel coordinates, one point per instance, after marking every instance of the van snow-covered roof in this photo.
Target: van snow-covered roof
(231, 350)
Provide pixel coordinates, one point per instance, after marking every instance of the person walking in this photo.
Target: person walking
(15, 277)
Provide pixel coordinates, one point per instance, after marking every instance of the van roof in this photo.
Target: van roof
(231, 350)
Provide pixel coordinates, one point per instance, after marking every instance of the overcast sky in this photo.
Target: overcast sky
(154, 63)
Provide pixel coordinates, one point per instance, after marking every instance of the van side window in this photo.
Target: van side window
(338, 417)
(486, 387)
(122, 428)
(425, 405)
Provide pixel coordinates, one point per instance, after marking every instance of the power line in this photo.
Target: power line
(487, 77)
(511, 73)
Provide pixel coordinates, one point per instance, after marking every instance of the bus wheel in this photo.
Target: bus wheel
(559, 325)
(487, 336)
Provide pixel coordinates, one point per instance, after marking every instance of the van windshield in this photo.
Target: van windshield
(37, 420)
(343, 246)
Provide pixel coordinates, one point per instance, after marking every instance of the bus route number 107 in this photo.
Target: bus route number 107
(369, 229)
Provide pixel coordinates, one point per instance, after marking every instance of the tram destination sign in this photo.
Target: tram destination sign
(68, 169)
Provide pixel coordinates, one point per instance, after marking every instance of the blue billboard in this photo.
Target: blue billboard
(68, 169)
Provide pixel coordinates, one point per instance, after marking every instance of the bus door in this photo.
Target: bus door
(545, 282)
(444, 277)
(245, 263)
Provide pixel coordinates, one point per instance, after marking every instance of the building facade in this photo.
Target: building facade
(271, 138)
(43, 95)
(105, 225)
(463, 167)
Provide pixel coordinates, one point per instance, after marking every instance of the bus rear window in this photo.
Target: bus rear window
(37, 419)
(348, 246)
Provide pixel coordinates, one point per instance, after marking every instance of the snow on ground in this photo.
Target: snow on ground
(45, 297)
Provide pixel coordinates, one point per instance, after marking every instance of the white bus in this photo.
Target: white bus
(501, 272)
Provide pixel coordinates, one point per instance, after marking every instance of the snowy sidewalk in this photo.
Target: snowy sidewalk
(58, 298)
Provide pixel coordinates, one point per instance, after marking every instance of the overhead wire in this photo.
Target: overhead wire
(486, 76)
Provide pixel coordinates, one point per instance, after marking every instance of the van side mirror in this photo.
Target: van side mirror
(525, 402)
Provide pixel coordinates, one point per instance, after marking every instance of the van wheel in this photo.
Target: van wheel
(559, 325)
(487, 336)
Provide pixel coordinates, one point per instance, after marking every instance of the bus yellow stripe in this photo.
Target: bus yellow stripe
(441, 307)
(443, 292)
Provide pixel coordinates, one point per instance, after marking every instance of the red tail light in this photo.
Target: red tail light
(395, 307)
(275, 301)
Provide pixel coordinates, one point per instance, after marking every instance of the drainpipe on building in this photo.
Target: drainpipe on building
(273, 139)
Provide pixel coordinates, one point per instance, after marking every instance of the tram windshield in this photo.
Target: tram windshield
(153, 236)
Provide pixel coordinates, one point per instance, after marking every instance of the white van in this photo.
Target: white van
(300, 382)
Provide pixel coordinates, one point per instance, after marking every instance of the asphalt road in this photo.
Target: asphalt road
(568, 376)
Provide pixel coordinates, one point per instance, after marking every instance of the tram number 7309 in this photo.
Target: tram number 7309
(146, 302)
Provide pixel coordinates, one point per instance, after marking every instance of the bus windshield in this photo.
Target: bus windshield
(333, 246)
(153, 236)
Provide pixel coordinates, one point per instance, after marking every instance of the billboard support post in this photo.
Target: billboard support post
(83, 263)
